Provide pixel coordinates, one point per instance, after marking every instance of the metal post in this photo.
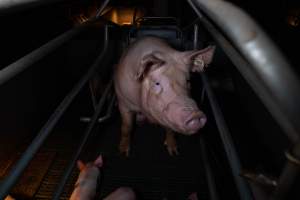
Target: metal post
(87, 133)
(19, 167)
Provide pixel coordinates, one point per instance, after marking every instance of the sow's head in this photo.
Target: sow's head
(165, 98)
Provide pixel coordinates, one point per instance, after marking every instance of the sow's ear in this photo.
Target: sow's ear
(149, 63)
(199, 59)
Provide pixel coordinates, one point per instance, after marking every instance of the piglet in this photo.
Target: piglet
(86, 184)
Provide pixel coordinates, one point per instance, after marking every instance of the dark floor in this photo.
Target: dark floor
(149, 169)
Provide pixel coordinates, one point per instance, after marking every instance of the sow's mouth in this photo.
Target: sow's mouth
(194, 122)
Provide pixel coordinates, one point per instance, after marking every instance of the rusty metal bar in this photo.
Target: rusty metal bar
(38, 141)
(270, 76)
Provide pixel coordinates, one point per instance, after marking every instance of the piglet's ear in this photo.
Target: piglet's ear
(80, 165)
(149, 63)
(199, 59)
(99, 161)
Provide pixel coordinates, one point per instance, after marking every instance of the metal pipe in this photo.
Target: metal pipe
(12, 5)
(208, 172)
(104, 118)
(37, 142)
(289, 174)
(100, 10)
(232, 156)
(23, 63)
(68, 171)
(278, 86)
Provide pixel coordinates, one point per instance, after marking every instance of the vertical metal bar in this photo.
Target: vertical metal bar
(213, 193)
(68, 171)
(233, 159)
(37, 142)
(208, 172)
(232, 156)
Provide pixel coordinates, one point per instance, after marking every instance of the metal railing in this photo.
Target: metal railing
(12, 70)
(269, 75)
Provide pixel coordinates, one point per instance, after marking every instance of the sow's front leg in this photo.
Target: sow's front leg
(170, 143)
(126, 128)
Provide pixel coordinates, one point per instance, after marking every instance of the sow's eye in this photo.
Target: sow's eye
(157, 87)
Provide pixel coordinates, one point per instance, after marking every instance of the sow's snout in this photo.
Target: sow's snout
(186, 120)
(194, 121)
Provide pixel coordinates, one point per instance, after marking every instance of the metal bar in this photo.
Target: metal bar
(68, 171)
(100, 10)
(10, 5)
(23, 63)
(290, 171)
(104, 118)
(93, 95)
(289, 174)
(208, 172)
(278, 86)
(232, 156)
(37, 142)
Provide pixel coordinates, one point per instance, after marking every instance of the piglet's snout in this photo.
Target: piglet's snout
(194, 120)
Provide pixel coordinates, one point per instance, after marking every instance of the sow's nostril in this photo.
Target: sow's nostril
(202, 121)
(193, 124)
(196, 121)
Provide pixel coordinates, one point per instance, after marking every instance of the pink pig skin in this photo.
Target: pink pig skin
(152, 79)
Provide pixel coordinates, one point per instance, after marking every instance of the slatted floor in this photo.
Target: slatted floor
(149, 170)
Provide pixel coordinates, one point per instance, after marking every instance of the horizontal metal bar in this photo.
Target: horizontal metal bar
(270, 76)
(37, 142)
(87, 133)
